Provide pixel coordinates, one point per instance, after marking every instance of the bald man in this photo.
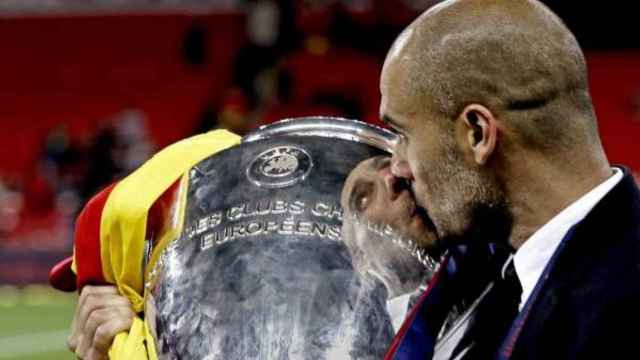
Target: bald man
(500, 143)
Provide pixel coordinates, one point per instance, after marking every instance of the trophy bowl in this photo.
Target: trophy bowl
(260, 269)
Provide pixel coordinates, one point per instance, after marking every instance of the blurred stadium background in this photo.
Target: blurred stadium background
(90, 89)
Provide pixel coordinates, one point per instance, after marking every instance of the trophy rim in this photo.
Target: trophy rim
(329, 127)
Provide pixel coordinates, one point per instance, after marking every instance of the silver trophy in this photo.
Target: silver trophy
(262, 269)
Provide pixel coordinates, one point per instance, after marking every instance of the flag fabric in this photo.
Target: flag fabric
(112, 229)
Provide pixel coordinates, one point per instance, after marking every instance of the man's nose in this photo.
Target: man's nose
(400, 168)
(390, 182)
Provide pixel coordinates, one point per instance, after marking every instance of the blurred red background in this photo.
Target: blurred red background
(85, 98)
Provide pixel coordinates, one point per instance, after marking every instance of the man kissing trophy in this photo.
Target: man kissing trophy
(256, 258)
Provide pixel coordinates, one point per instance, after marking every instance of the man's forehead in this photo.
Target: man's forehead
(397, 109)
(371, 164)
(379, 162)
(399, 45)
(397, 57)
(367, 167)
(398, 100)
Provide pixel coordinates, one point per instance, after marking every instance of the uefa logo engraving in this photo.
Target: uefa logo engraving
(280, 166)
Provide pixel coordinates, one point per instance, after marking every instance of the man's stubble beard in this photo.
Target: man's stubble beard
(468, 205)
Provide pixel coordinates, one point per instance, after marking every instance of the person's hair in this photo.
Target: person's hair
(514, 56)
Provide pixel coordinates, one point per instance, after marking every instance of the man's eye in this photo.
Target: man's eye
(402, 137)
(362, 202)
(361, 197)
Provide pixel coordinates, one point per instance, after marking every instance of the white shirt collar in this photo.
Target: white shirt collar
(533, 256)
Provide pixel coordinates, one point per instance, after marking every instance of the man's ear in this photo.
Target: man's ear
(481, 132)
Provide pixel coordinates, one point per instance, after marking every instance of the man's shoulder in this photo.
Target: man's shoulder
(608, 273)
(603, 253)
(614, 223)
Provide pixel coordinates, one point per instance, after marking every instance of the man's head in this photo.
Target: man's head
(371, 192)
(372, 196)
(475, 88)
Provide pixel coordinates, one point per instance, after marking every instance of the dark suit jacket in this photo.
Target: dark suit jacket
(586, 305)
(589, 306)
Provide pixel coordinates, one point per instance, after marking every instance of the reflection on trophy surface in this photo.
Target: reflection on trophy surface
(268, 266)
(387, 234)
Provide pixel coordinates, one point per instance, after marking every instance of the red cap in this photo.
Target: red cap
(87, 241)
(87, 244)
(62, 277)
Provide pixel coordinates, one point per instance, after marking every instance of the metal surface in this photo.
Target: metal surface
(261, 270)
(329, 127)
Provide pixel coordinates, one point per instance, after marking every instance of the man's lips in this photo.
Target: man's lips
(404, 190)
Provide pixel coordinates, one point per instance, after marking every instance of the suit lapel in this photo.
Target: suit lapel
(463, 275)
(543, 301)
(416, 338)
